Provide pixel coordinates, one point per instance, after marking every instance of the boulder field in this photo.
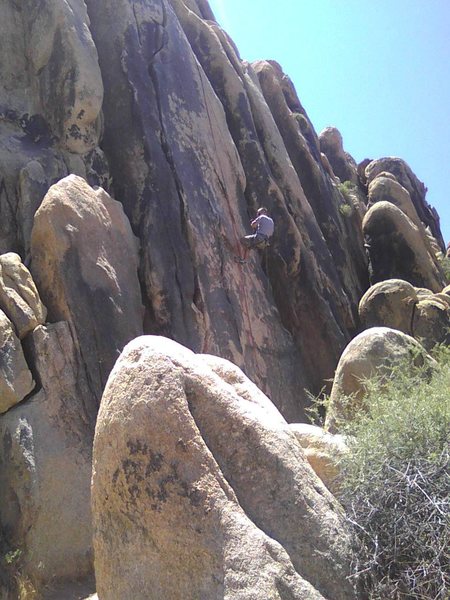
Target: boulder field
(153, 389)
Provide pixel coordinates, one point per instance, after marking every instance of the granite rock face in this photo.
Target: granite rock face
(186, 509)
(45, 465)
(51, 94)
(135, 148)
(416, 189)
(85, 263)
(332, 145)
(390, 303)
(19, 298)
(193, 140)
(16, 380)
(398, 250)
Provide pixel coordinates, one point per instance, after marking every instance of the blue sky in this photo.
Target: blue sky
(377, 70)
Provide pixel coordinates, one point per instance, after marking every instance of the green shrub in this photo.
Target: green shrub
(346, 210)
(349, 192)
(445, 266)
(395, 484)
(347, 189)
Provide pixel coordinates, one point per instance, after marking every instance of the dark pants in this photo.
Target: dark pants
(252, 241)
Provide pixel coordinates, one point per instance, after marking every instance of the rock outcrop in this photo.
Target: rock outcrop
(416, 189)
(19, 298)
(397, 249)
(186, 509)
(343, 165)
(373, 352)
(431, 324)
(135, 147)
(390, 303)
(85, 263)
(191, 150)
(16, 380)
(45, 465)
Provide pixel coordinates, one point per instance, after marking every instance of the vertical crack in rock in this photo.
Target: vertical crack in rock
(167, 151)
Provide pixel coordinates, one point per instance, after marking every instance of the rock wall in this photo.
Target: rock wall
(135, 147)
(152, 101)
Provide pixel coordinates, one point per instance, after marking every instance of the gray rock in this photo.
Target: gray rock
(85, 263)
(45, 466)
(16, 381)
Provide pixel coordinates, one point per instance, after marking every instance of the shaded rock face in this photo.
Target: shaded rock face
(16, 380)
(416, 189)
(178, 510)
(431, 323)
(45, 465)
(397, 248)
(201, 166)
(85, 262)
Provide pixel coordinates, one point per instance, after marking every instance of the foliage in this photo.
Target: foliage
(347, 188)
(302, 122)
(345, 210)
(349, 192)
(445, 266)
(395, 484)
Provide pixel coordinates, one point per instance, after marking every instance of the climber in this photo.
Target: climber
(264, 227)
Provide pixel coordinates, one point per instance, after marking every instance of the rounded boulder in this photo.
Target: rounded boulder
(373, 352)
(389, 303)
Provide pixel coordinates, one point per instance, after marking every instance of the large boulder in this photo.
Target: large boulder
(371, 353)
(323, 450)
(45, 466)
(390, 304)
(431, 324)
(385, 188)
(416, 189)
(397, 248)
(16, 381)
(186, 509)
(85, 262)
(19, 298)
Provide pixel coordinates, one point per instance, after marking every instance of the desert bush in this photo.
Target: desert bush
(445, 266)
(395, 484)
